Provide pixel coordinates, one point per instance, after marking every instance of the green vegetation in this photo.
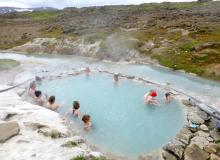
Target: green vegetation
(79, 158)
(42, 15)
(8, 64)
(83, 158)
(192, 52)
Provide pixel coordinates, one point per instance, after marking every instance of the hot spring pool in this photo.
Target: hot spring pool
(122, 124)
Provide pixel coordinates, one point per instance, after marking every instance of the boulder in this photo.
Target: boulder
(8, 130)
(168, 156)
(203, 115)
(199, 141)
(211, 148)
(194, 118)
(193, 152)
(204, 127)
(184, 135)
(188, 103)
(214, 157)
(202, 134)
(175, 147)
(212, 123)
(215, 135)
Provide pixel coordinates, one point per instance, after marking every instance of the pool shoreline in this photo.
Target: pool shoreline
(182, 98)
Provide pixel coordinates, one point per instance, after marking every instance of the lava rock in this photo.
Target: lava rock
(204, 127)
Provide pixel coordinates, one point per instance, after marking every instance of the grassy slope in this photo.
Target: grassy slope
(158, 23)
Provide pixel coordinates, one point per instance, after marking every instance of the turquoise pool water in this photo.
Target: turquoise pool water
(122, 124)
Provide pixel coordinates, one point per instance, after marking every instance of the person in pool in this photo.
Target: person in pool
(168, 97)
(149, 98)
(87, 121)
(39, 98)
(32, 89)
(116, 78)
(51, 103)
(75, 109)
(87, 71)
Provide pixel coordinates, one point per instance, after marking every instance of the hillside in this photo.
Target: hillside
(178, 35)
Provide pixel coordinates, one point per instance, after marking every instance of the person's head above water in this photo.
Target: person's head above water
(38, 93)
(86, 118)
(76, 105)
(33, 85)
(153, 93)
(51, 99)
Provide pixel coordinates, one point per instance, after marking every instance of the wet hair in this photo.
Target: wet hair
(51, 99)
(86, 118)
(167, 94)
(38, 93)
(76, 105)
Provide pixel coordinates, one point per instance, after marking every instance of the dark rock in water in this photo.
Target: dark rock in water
(175, 147)
(8, 130)
(193, 152)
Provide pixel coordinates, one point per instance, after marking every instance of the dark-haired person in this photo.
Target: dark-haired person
(39, 98)
(75, 110)
(168, 97)
(51, 103)
(116, 77)
(86, 121)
